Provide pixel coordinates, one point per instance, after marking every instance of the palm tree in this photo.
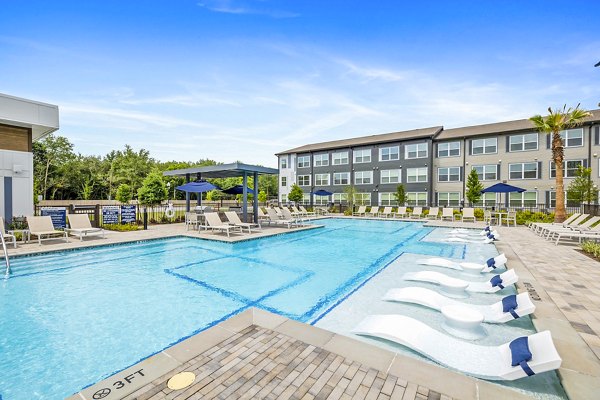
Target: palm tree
(559, 120)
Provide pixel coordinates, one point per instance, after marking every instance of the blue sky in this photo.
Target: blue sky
(243, 79)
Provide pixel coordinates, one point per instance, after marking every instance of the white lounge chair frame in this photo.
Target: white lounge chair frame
(401, 212)
(454, 286)
(386, 213)
(213, 222)
(8, 235)
(433, 213)
(42, 227)
(361, 212)
(486, 362)
(235, 220)
(80, 226)
(447, 213)
(417, 213)
(468, 213)
(273, 217)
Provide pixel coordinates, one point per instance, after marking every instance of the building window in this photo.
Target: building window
(284, 181)
(416, 198)
(525, 199)
(284, 198)
(303, 180)
(449, 149)
(487, 172)
(449, 199)
(528, 141)
(484, 146)
(523, 171)
(339, 158)
(387, 199)
(283, 163)
(321, 160)
(320, 200)
(362, 199)
(450, 174)
(341, 178)
(488, 199)
(418, 150)
(416, 175)
(572, 137)
(363, 177)
(304, 162)
(306, 198)
(340, 197)
(389, 153)
(390, 176)
(570, 168)
(362, 156)
(570, 201)
(321, 179)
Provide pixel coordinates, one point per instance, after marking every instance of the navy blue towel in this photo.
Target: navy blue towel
(519, 351)
(509, 304)
(497, 281)
(491, 263)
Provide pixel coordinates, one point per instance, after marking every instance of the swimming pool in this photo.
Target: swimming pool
(72, 318)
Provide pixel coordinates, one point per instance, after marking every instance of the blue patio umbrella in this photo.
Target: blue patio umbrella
(197, 187)
(322, 192)
(502, 188)
(237, 189)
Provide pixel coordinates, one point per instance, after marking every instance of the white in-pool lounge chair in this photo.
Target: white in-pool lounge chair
(361, 212)
(486, 362)
(213, 222)
(447, 213)
(468, 213)
(455, 286)
(489, 238)
(235, 220)
(386, 213)
(492, 314)
(42, 227)
(401, 213)
(7, 235)
(273, 217)
(417, 213)
(433, 213)
(80, 226)
(490, 265)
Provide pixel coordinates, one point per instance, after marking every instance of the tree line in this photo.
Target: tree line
(62, 174)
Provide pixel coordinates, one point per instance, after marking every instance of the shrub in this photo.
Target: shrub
(478, 214)
(121, 228)
(592, 248)
(526, 216)
(348, 212)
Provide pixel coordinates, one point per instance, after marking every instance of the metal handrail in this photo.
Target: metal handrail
(7, 273)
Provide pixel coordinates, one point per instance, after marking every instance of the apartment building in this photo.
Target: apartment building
(433, 163)
(22, 122)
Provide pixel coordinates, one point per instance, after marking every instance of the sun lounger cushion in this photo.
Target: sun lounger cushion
(497, 281)
(509, 304)
(519, 351)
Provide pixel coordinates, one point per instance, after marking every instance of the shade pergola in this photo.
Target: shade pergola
(233, 170)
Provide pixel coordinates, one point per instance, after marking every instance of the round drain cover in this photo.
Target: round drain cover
(181, 380)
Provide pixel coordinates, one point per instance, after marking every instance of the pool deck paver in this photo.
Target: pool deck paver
(259, 355)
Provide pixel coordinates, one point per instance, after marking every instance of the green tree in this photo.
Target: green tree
(124, 193)
(400, 195)
(262, 196)
(50, 154)
(474, 187)
(557, 121)
(296, 194)
(581, 189)
(350, 192)
(153, 189)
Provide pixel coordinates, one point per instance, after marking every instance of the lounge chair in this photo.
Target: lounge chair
(273, 217)
(373, 212)
(214, 223)
(361, 212)
(401, 213)
(488, 217)
(447, 213)
(287, 215)
(41, 226)
(80, 225)
(543, 230)
(486, 362)
(492, 314)
(585, 226)
(417, 213)
(7, 235)
(468, 213)
(488, 266)
(386, 213)
(295, 211)
(456, 286)
(306, 212)
(534, 226)
(433, 213)
(191, 219)
(279, 211)
(592, 234)
(235, 220)
(262, 216)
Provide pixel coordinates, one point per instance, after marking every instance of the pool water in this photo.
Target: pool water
(70, 319)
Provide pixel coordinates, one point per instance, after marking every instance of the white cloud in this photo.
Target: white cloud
(235, 7)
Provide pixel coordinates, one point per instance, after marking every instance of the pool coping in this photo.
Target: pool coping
(579, 372)
(435, 377)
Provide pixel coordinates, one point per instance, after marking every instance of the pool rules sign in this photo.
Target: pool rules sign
(110, 214)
